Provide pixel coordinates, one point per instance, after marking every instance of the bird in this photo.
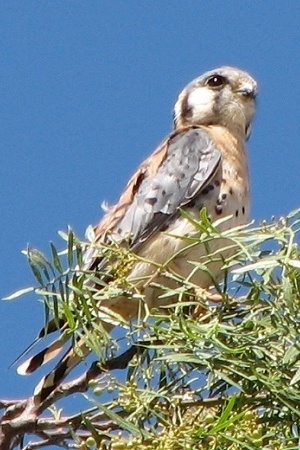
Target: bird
(201, 164)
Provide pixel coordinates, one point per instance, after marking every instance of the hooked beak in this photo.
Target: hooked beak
(248, 91)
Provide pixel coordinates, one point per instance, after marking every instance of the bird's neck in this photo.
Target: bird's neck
(236, 133)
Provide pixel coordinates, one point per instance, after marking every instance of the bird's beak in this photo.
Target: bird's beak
(248, 91)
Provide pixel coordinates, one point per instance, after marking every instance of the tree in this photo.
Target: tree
(220, 371)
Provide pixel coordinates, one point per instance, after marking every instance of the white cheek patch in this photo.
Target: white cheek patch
(201, 101)
(177, 111)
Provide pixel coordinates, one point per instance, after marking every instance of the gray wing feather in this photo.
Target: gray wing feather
(191, 160)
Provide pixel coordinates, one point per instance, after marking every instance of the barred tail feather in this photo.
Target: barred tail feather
(73, 356)
(51, 327)
(32, 364)
(71, 359)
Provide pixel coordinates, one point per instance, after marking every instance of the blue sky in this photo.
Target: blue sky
(87, 90)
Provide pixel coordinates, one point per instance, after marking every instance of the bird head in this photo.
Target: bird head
(224, 96)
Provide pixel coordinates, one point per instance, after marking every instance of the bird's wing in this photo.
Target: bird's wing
(169, 179)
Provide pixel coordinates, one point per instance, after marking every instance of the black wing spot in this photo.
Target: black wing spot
(218, 209)
(151, 201)
(164, 227)
(207, 189)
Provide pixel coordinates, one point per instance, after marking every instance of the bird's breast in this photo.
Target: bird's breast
(226, 196)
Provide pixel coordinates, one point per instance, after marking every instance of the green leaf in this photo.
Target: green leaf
(294, 263)
(70, 247)
(56, 259)
(264, 264)
(63, 235)
(19, 293)
(125, 424)
(37, 274)
(38, 264)
(296, 378)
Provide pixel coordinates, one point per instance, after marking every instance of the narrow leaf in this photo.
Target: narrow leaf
(70, 248)
(56, 259)
(19, 293)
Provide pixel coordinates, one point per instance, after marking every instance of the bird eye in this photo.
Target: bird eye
(216, 81)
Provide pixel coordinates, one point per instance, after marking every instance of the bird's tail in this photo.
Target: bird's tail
(47, 354)
(71, 359)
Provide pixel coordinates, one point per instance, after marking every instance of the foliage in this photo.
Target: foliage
(217, 372)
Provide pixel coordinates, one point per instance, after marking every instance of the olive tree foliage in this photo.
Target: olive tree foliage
(217, 370)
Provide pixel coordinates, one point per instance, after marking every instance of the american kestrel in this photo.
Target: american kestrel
(202, 163)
